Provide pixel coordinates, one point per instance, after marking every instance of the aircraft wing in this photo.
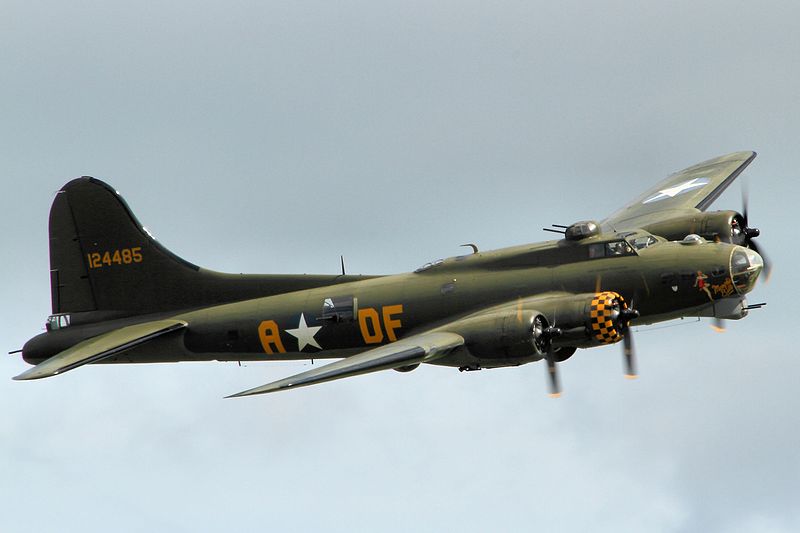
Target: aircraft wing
(687, 191)
(421, 348)
(101, 347)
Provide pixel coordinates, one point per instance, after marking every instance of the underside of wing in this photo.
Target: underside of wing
(100, 347)
(688, 191)
(421, 348)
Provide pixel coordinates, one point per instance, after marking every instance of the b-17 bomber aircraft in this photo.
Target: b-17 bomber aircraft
(119, 296)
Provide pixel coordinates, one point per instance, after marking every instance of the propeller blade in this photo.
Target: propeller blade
(745, 202)
(626, 317)
(552, 372)
(718, 325)
(752, 233)
(630, 355)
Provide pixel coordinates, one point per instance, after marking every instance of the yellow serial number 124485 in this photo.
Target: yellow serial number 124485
(125, 256)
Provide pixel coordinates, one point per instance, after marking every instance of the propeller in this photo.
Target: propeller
(718, 325)
(625, 317)
(630, 357)
(552, 372)
(746, 234)
(550, 356)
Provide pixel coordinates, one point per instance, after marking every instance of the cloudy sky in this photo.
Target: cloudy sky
(272, 137)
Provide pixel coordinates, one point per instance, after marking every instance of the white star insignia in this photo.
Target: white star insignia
(672, 192)
(305, 334)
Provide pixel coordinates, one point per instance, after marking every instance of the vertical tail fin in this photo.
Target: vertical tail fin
(103, 259)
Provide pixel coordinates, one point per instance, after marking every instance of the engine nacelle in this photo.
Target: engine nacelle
(505, 334)
(578, 321)
(727, 226)
(590, 319)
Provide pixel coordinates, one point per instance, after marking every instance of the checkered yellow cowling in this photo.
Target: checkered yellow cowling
(601, 315)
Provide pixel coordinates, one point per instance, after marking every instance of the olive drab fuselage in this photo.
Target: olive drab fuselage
(663, 280)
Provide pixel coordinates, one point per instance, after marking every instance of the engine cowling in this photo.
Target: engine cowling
(506, 334)
(726, 226)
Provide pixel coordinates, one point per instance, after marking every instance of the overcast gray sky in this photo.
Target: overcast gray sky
(272, 137)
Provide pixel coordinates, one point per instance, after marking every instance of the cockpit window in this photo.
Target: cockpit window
(610, 249)
(428, 266)
(619, 248)
(643, 242)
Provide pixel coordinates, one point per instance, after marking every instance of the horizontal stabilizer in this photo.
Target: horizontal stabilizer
(100, 347)
(420, 348)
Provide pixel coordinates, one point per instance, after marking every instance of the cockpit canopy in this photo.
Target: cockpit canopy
(640, 242)
(610, 249)
(628, 245)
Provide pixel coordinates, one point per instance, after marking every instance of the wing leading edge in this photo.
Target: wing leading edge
(421, 348)
(690, 190)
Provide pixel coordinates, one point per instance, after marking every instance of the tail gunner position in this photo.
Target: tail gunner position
(118, 296)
